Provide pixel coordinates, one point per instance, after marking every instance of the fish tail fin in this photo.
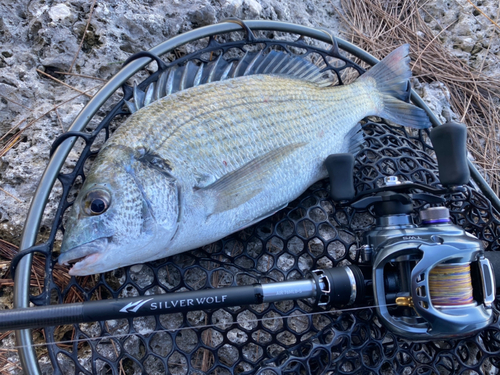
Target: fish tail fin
(392, 81)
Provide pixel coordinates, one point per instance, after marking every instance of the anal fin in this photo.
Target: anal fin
(356, 139)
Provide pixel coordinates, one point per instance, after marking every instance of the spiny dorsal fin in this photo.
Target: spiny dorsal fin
(289, 65)
(179, 78)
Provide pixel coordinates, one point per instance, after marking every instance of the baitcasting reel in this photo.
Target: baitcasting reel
(435, 273)
(431, 280)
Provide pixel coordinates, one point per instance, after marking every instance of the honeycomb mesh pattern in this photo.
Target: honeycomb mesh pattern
(287, 337)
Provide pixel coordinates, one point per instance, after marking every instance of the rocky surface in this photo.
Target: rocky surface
(468, 31)
(46, 35)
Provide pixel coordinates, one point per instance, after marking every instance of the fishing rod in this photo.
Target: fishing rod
(428, 281)
(340, 286)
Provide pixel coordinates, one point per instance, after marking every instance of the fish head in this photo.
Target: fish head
(112, 222)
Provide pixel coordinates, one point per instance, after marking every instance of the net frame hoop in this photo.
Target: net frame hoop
(24, 337)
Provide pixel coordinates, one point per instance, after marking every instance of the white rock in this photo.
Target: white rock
(235, 3)
(59, 12)
(137, 268)
(253, 6)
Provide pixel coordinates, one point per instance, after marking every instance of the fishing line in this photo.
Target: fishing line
(451, 285)
(204, 326)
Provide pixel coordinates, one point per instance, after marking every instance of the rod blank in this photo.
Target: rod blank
(336, 281)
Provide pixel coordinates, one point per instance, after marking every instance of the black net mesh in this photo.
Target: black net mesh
(312, 232)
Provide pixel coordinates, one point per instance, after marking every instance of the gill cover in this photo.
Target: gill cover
(126, 203)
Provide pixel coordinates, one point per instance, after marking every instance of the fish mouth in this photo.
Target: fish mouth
(83, 256)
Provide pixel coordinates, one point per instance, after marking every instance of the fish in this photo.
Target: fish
(192, 167)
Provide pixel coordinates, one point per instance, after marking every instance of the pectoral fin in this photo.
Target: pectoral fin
(239, 186)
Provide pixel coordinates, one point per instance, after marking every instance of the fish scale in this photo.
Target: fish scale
(278, 125)
(207, 161)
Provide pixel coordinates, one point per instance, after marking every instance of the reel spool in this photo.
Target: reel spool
(450, 285)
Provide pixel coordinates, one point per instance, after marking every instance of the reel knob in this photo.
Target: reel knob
(340, 169)
(450, 144)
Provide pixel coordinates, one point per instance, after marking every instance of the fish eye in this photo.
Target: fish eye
(96, 202)
(98, 206)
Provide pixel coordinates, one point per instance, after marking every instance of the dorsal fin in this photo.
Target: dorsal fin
(179, 78)
(281, 63)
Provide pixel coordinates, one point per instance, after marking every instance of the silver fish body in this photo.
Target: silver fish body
(207, 161)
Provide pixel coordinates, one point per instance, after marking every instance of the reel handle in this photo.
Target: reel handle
(340, 170)
(450, 144)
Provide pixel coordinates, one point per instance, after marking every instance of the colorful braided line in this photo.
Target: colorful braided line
(450, 285)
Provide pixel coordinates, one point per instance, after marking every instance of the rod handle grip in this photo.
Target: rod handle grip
(40, 316)
(450, 144)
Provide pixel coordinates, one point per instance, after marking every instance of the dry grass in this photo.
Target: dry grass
(13, 140)
(379, 26)
(61, 278)
(7, 366)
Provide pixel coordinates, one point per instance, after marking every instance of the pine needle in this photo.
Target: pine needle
(16, 103)
(15, 138)
(63, 83)
(480, 11)
(83, 37)
(10, 195)
(81, 75)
